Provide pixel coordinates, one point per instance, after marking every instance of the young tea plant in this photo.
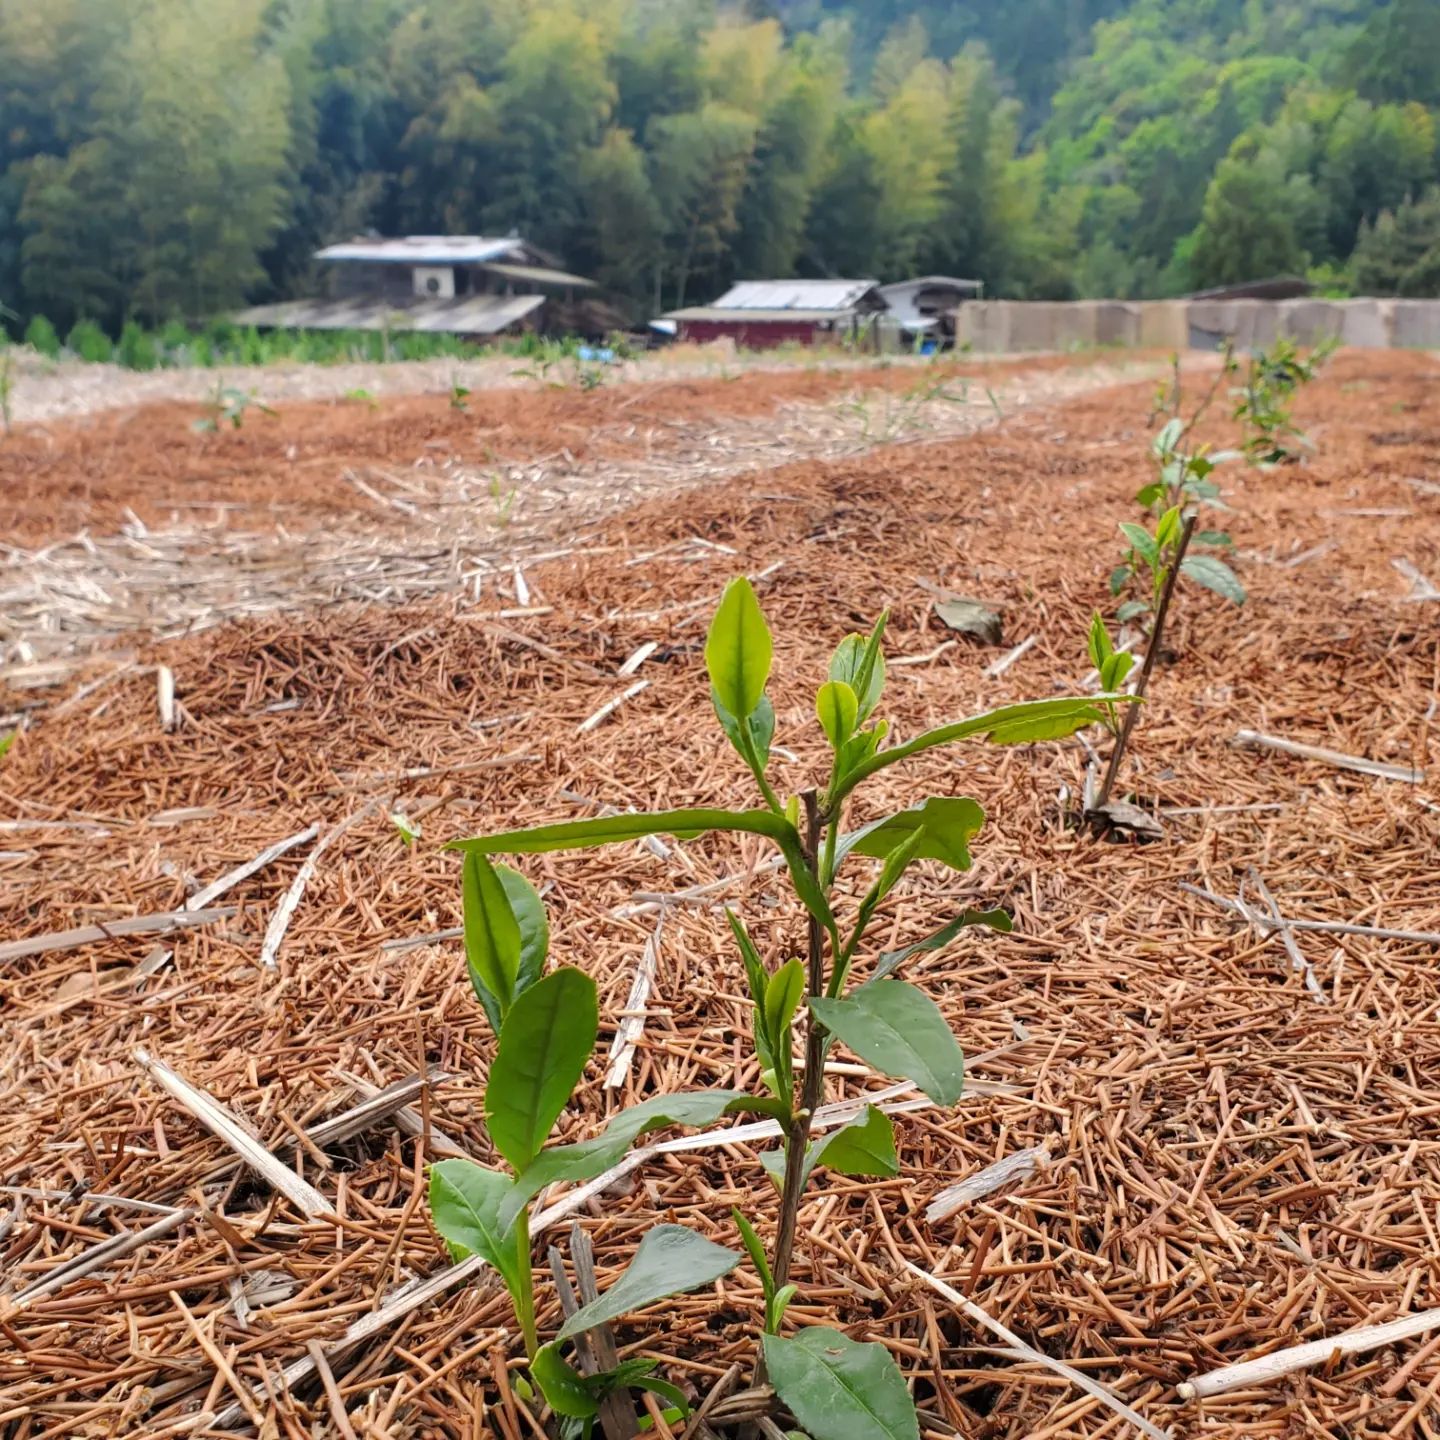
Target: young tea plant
(835, 1388)
(547, 1027)
(1263, 404)
(228, 406)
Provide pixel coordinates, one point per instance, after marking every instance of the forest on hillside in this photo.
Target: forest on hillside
(164, 159)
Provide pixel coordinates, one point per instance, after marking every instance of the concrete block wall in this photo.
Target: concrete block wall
(994, 326)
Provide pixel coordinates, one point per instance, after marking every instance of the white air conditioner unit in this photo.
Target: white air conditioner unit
(435, 282)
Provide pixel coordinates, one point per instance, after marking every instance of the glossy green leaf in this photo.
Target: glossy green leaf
(1100, 647)
(890, 960)
(738, 649)
(756, 1251)
(1220, 538)
(946, 822)
(900, 1031)
(616, 829)
(782, 999)
(547, 1037)
(837, 710)
(1026, 723)
(563, 1387)
(1119, 578)
(839, 1389)
(1214, 575)
(1142, 542)
(759, 728)
(1168, 437)
(586, 1159)
(1168, 528)
(529, 912)
(862, 1146)
(1115, 669)
(1147, 495)
(670, 1260)
(1131, 610)
(858, 663)
(465, 1202)
(492, 937)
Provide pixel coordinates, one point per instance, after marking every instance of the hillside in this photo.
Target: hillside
(1059, 148)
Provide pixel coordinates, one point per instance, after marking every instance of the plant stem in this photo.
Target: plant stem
(797, 1135)
(524, 1296)
(1152, 652)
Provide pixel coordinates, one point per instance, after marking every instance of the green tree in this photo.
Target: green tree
(1253, 219)
(1400, 253)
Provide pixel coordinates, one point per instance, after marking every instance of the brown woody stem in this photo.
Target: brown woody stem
(1152, 651)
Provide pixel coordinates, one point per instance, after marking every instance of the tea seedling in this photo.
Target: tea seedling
(1263, 405)
(459, 396)
(834, 1387)
(547, 1027)
(229, 406)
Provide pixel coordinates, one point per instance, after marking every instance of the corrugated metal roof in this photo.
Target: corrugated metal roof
(428, 250)
(465, 315)
(794, 295)
(940, 282)
(749, 314)
(538, 275)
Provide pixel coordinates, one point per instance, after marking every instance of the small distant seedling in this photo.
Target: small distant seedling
(835, 1388)
(363, 397)
(459, 396)
(228, 406)
(1264, 402)
(504, 499)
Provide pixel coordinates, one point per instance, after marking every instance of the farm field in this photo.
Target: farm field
(290, 633)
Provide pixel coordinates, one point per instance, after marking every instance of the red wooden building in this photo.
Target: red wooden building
(759, 314)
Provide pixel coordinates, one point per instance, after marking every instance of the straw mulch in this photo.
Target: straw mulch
(1235, 1162)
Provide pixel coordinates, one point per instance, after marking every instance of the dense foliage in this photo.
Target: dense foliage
(167, 160)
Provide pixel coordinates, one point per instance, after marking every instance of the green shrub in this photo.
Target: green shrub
(136, 350)
(87, 341)
(41, 336)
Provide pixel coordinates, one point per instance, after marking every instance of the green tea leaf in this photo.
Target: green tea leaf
(890, 960)
(1147, 495)
(544, 1044)
(1023, 724)
(1100, 647)
(756, 1251)
(947, 823)
(492, 937)
(1214, 537)
(529, 912)
(1167, 530)
(782, 999)
(670, 1260)
(738, 649)
(1131, 610)
(1168, 437)
(1119, 578)
(759, 727)
(862, 1146)
(1115, 669)
(900, 1031)
(615, 829)
(586, 1159)
(1142, 542)
(839, 1389)
(563, 1387)
(858, 663)
(465, 1201)
(837, 710)
(1214, 575)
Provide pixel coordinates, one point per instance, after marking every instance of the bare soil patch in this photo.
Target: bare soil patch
(1235, 1164)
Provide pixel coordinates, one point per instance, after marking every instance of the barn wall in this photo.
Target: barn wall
(992, 326)
(756, 335)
